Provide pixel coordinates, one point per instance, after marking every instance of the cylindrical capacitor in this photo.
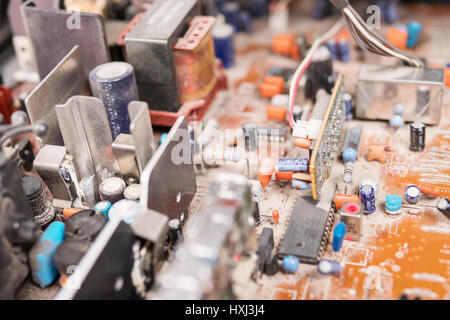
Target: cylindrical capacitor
(223, 44)
(69, 254)
(371, 182)
(126, 210)
(412, 194)
(348, 106)
(414, 29)
(250, 130)
(348, 172)
(114, 83)
(133, 192)
(329, 267)
(332, 46)
(417, 136)
(231, 13)
(103, 207)
(367, 195)
(443, 206)
(344, 50)
(84, 225)
(393, 204)
(293, 164)
(174, 231)
(112, 189)
(422, 97)
(338, 236)
(41, 207)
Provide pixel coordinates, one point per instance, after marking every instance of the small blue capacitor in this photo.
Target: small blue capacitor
(42, 254)
(412, 194)
(396, 122)
(399, 110)
(231, 12)
(344, 50)
(125, 209)
(333, 48)
(103, 207)
(290, 264)
(367, 195)
(393, 204)
(328, 267)
(348, 106)
(293, 164)
(349, 154)
(338, 236)
(414, 30)
(163, 137)
(223, 44)
(245, 22)
(300, 185)
(114, 84)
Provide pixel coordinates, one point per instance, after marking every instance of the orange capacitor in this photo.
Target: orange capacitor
(195, 60)
(68, 212)
(276, 216)
(339, 199)
(265, 173)
(283, 43)
(302, 143)
(279, 81)
(283, 175)
(397, 37)
(429, 190)
(275, 112)
(268, 90)
(447, 77)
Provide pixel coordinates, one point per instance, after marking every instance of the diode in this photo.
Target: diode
(275, 216)
(417, 136)
(112, 189)
(338, 236)
(41, 207)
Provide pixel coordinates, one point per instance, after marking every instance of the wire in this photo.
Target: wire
(305, 64)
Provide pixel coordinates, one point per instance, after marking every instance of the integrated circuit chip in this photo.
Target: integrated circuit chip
(307, 232)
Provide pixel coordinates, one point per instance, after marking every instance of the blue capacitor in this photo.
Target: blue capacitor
(349, 154)
(125, 209)
(328, 267)
(290, 264)
(245, 22)
(412, 194)
(367, 195)
(114, 84)
(344, 50)
(42, 254)
(348, 106)
(393, 203)
(414, 30)
(396, 122)
(231, 12)
(338, 236)
(293, 164)
(333, 48)
(399, 110)
(300, 185)
(223, 44)
(103, 207)
(163, 137)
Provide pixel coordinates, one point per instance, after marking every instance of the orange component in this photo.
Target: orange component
(275, 215)
(430, 190)
(344, 34)
(264, 179)
(339, 199)
(376, 152)
(302, 143)
(279, 81)
(276, 112)
(447, 77)
(303, 176)
(397, 37)
(283, 175)
(268, 90)
(68, 212)
(266, 171)
(283, 43)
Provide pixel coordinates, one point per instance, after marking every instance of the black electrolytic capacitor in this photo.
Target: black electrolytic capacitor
(84, 225)
(42, 208)
(417, 136)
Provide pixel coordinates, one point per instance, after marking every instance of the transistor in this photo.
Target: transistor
(307, 231)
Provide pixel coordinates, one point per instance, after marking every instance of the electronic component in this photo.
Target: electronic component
(348, 171)
(250, 130)
(114, 84)
(320, 73)
(376, 152)
(338, 235)
(417, 136)
(393, 204)
(112, 189)
(412, 194)
(125, 210)
(223, 43)
(103, 207)
(300, 185)
(414, 30)
(174, 233)
(84, 225)
(275, 216)
(132, 192)
(256, 213)
(396, 122)
(307, 232)
(328, 267)
(265, 172)
(292, 164)
(348, 106)
(265, 247)
(351, 214)
(367, 195)
(42, 208)
(340, 199)
(290, 264)
(68, 255)
(443, 206)
(344, 50)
